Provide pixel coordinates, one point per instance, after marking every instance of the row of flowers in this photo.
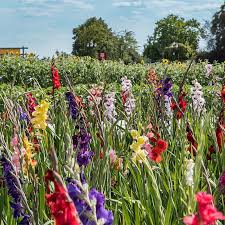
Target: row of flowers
(72, 201)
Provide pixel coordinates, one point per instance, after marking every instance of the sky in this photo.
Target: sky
(45, 26)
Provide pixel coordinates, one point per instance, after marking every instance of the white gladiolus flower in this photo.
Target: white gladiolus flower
(197, 98)
(110, 109)
(189, 173)
(169, 111)
(208, 68)
(128, 98)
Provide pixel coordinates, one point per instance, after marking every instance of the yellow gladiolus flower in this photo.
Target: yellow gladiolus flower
(28, 156)
(141, 140)
(134, 134)
(40, 115)
(139, 156)
(135, 146)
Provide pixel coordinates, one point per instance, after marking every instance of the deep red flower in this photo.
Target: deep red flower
(182, 106)
(124, 97)
(61, 205)
(173, 105)
(211, 150)
(101, 155)
(155, 152)
(162, 145)
(193, 143)
(31, 103)
(223, 94)
(55, 78)
(219, 137)
(153, 139)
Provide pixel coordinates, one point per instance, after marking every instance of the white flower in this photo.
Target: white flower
(208, 69)
(197, 98)
(189, 173)
(110, 109)
(129, 101)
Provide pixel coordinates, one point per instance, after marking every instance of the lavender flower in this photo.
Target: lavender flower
(13, 191)
(102, 214)
(84, 209)
(23, 115)
(72, 105)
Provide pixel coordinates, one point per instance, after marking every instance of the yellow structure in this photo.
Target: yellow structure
(10, 51)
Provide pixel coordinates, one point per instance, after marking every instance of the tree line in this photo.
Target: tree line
(173, 38)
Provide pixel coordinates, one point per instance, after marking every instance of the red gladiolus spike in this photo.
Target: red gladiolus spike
(61, 206)
(173, 105)
(152, 139)
(124, 97)
(223, 94)
(154, 156)
(55, 78)
(31, 103)
(162, 145)
(211, 150)
(101, 155)
(219, 137)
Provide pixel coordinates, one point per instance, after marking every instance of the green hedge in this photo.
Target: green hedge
(86, 70)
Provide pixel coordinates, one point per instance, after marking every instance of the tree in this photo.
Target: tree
(217, 41)
(174, 38)
(94, 36)
(128, 47)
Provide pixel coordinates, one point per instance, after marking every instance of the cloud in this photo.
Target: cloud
(80, 4)
(182, 5)
(39, 8)
(131, 3)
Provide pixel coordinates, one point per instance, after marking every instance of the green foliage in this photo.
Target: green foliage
(95, 36)
(217, 40)
(85, 70)
(173, 29)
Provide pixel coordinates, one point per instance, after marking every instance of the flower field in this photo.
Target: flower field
(93, 143)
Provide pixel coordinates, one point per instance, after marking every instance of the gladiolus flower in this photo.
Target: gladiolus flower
(155, 153)
(40, 115)
(31, 103)
(139, 153)
(112, 156)
(219, 137)
(61, 205)
(222, 183)
(182, 106)
(207, 213)
(28, 155)
(223, 94)
(55, 78)
(193, 143)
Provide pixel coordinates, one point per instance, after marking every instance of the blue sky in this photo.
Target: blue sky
(46, 25)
